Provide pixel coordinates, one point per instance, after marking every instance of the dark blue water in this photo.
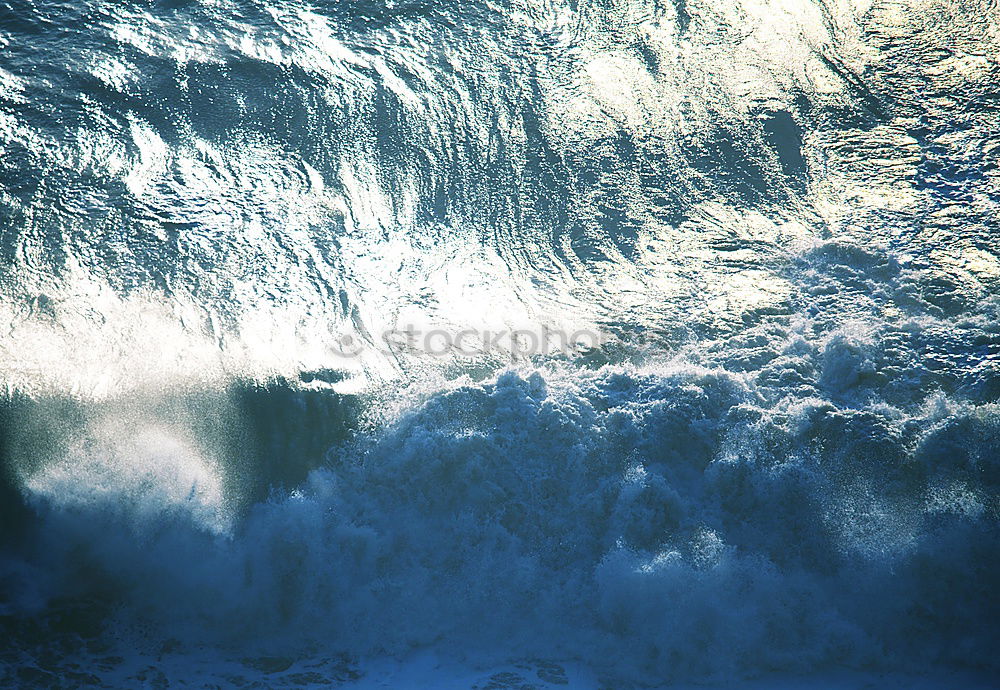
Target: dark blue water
(510, 344)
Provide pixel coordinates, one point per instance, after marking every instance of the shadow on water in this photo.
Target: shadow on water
(259, 437)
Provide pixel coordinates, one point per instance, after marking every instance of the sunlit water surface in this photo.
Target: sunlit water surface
(773, 451)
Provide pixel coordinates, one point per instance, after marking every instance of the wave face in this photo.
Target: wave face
(778, 453)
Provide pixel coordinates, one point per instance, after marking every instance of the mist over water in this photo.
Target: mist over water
(775, 454)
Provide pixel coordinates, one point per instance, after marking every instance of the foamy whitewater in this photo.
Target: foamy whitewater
(515, 344)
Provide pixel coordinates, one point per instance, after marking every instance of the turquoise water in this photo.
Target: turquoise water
(606, 344)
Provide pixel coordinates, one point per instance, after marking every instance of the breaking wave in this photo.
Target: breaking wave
(781, 456)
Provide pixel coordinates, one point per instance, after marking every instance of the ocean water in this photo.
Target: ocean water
(509, 344)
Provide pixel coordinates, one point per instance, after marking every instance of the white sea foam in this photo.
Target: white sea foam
(780, 458)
